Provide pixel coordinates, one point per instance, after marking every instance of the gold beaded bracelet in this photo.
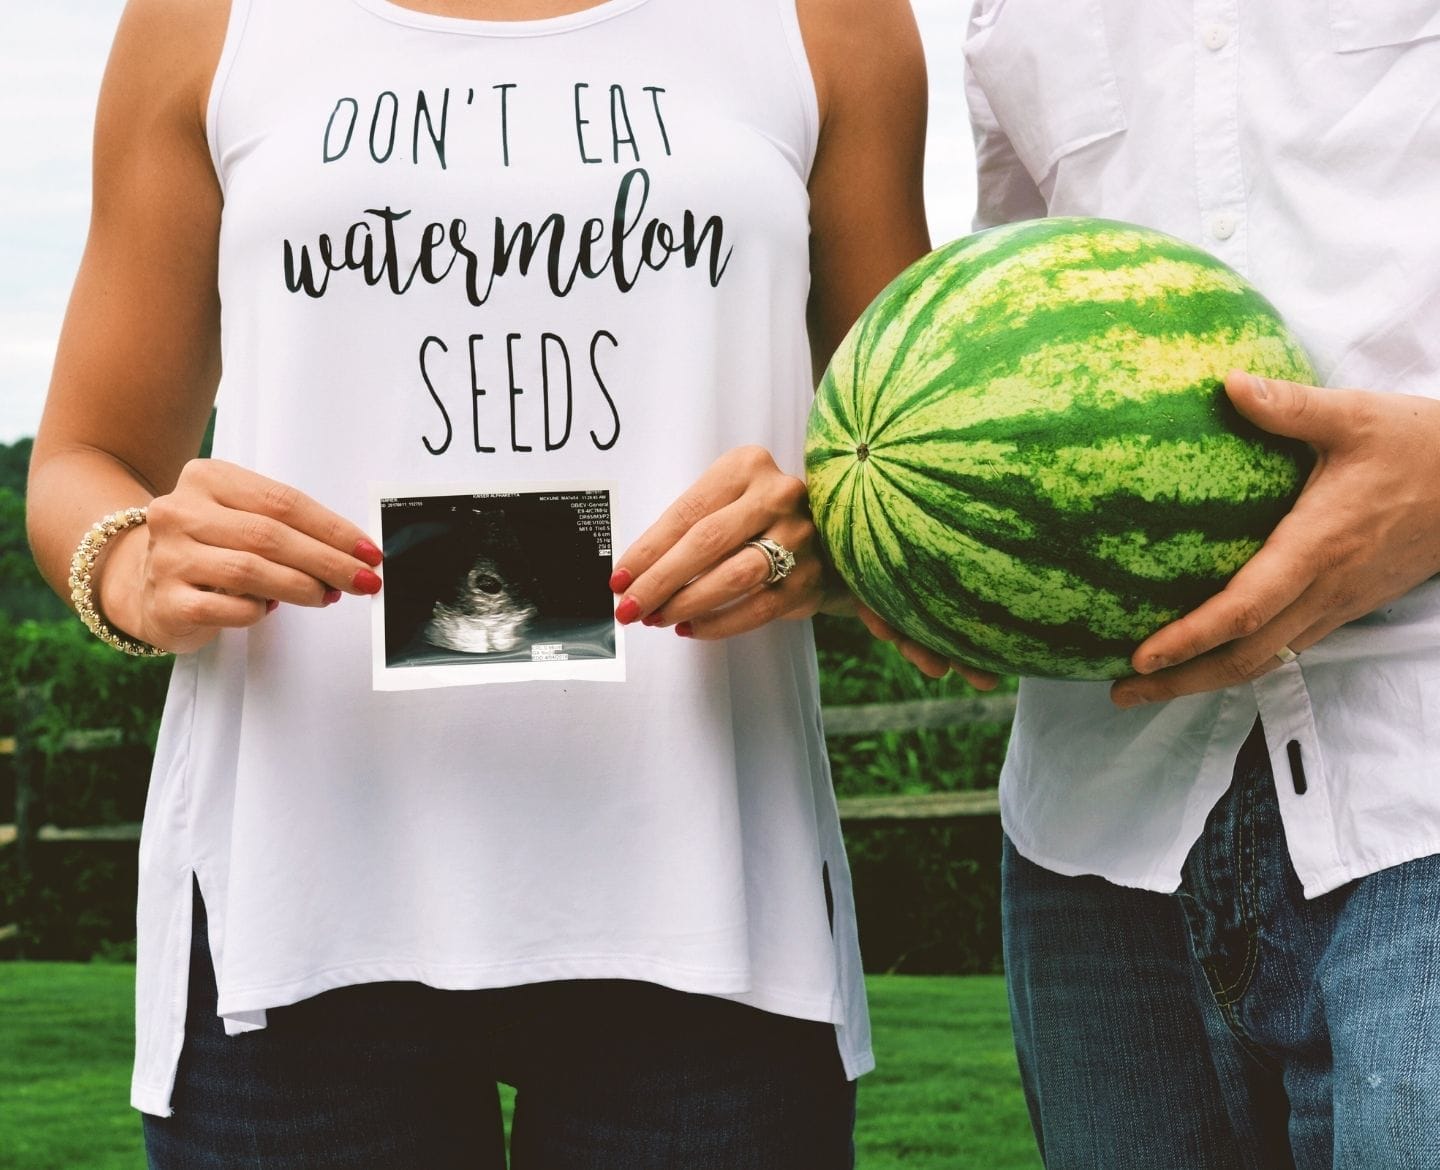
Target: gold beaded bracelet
(82, 564)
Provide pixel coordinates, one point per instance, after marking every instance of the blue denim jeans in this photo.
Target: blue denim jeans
(1233, 1023)
(610, 1076)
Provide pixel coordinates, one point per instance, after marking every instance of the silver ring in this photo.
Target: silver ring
(781, 559)
(1286, 655)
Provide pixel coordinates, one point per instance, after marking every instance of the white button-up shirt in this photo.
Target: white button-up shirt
(1299, 141)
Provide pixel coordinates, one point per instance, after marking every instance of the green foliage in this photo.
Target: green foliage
(15, 465)
(946, 1092)
(926, 891)
(927, 895)
(23, 592)
(855, 668)
(54, 679)
(75, 681)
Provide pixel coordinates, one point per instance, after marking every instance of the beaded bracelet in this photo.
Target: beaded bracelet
(82, 564)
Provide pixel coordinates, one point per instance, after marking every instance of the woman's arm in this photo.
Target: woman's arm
(867, 202)
(867, 221)
(137, 367)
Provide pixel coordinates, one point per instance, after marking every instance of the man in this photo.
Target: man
(1222, 894)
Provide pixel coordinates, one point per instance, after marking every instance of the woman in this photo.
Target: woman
(456, 256)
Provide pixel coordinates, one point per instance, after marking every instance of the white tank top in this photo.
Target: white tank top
(490, 256)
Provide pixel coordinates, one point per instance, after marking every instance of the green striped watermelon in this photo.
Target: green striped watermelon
(1022, 455)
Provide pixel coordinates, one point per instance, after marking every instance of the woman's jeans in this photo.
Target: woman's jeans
(1234, 1023)
(610, 1076)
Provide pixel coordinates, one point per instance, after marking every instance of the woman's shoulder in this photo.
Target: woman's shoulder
(166, 52)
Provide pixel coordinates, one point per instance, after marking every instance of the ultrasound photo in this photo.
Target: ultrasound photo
(498, 586)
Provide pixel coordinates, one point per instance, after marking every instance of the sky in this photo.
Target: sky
(52, 54)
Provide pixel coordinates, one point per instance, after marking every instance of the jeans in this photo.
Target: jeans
(1233, 1023)
(610, 1076)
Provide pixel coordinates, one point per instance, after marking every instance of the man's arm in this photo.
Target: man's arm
(1005, 191)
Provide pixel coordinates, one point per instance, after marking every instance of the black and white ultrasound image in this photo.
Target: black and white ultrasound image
(521, 577)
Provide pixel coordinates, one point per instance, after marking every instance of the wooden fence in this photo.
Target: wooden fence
(861, 719)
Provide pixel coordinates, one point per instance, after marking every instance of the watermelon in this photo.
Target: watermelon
(1022, 455)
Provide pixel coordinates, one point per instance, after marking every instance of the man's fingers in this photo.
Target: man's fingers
(1273, 579)
(1318, 415)
(1240, 662)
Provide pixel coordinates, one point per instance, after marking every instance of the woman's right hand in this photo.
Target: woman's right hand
(224, 547)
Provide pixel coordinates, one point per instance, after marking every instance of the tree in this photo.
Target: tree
(23, 592)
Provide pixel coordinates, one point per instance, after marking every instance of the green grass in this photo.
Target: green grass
(945, 1094)
(65, 1043)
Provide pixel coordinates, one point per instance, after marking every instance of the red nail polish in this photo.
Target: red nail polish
(367, 552)
(627, 611)
(620, 580)
(685, 630)
(271, 606)
(366, 582)
(332, 596)
(652, 619)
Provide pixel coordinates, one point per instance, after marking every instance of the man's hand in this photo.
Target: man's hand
(1365, 530)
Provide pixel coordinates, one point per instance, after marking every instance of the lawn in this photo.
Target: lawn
(945, 1095)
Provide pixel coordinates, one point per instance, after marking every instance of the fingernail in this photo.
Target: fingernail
(685, 630)
(620, 580)
(367, 552)
(652, 619)
(627, 611)
(365, 581)
(1153, 663)
(333, 595)
(1257, 386)
(271, 606)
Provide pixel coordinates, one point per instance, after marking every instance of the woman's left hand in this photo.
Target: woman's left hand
(692, 568)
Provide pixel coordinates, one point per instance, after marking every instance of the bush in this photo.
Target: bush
(925, 890)
(54, 679)
(855, 668)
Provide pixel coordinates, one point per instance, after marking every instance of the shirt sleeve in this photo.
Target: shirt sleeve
(1006, 192)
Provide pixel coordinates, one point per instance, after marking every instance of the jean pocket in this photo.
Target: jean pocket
(1372, 24)
(1046, 71)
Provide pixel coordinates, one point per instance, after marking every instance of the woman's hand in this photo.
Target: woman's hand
(692, 570)
(225, 547)
(1365, 530)
(925, 660)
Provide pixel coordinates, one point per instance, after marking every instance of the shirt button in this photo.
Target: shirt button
(1216, 37)
(1222, 225)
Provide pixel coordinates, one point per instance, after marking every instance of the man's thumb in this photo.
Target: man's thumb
(1309, 413)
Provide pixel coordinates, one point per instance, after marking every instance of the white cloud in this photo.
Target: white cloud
(51, 57)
